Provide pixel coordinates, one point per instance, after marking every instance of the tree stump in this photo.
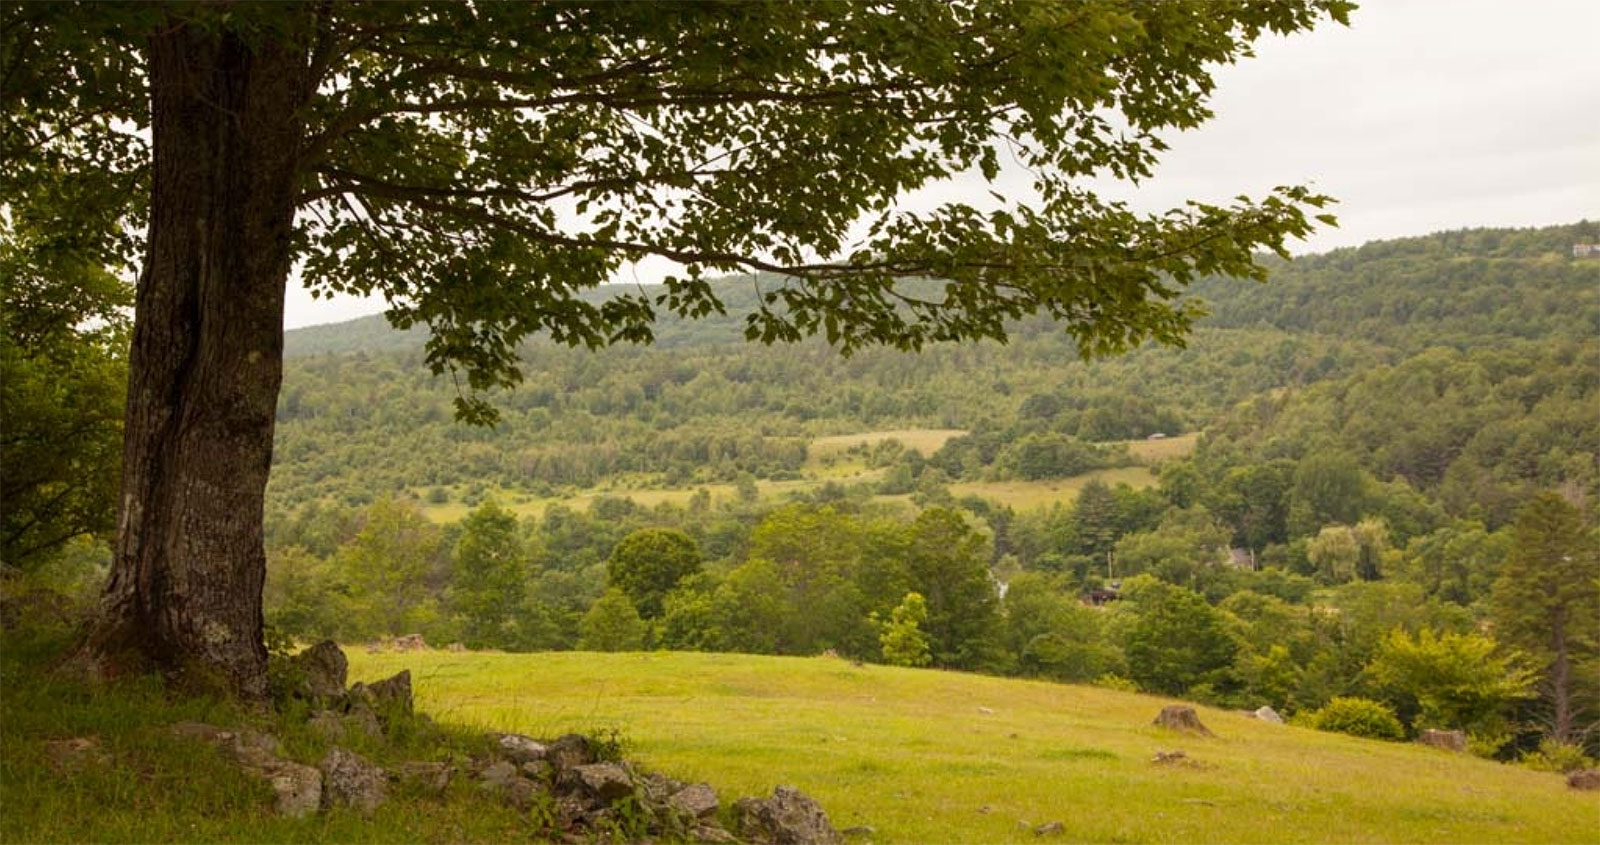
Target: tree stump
(1179, 718)
(1448, 740)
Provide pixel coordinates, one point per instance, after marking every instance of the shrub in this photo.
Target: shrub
(1357, 717)
(1556, 756)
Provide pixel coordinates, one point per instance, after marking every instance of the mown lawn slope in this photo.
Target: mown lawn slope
(930, 756)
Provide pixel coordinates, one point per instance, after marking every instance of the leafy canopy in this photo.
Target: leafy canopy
(479, 164)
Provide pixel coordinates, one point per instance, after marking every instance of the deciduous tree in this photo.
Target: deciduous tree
(478, 164)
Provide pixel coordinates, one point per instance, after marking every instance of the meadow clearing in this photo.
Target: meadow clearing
(933, 756)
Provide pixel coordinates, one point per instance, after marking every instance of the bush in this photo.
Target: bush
(1357, 717)
(1556, 756)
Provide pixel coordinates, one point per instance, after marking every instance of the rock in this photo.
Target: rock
(410, 642)
(348, 779)
(325, 669)
(456, 647)
(1050, 829)
(1585, 779)
(1179, 718)
(1178, 759)
(362, 718)
(498, 773)
(987, 711)
(389, 697)
(328, 725)
(1267, 714)
(711, 833)
(539, 770)
(250, 749)
(1448, 740)
(517, 748)
(201, 731)
(698, 800)
(296, 789)
(658, 789)
(859, 831)
(569, 751)
(514, 789)
(431, 777)
(602, 782)
(789, 817)
(76, 753)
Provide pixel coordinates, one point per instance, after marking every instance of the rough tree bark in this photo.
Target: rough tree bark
(185, 589)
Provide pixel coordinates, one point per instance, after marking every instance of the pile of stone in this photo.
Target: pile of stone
(571, 783)
(588, 795)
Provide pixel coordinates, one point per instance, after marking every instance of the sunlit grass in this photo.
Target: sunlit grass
(1029, 495)
(1156, 451)
(924, 440)
(919, 755)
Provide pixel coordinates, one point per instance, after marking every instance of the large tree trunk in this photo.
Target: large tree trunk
(185, 588)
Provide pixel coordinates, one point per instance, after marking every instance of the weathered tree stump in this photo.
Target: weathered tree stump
(1180, 718)
(1448, 740)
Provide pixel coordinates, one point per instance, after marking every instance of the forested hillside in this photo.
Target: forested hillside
(361, 415)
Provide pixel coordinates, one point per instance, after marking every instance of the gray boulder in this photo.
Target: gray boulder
(1267, 714)
(429, 776)
(789, 817)
(603, 783)
(324, 669)
(296, 789)
(517, 748)
(569, 751)
(350, 780)
(1584, 779)
(698, 800)
(388, 697)
(711, 833)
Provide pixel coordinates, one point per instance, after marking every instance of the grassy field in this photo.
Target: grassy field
(827, 460)
(928, 756)
(1028, 495)
(924, 440)
(1156, 451)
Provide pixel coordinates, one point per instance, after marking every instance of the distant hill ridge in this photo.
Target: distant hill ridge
(1450, 288)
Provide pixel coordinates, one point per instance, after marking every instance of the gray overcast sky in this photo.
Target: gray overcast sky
(1423, 115)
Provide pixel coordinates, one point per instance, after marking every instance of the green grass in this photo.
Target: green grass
(923, 756)
(924, 440)
(153, 787)
(1156, 451)
(1028, 495)
(910, 753)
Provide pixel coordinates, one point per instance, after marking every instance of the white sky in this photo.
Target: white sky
(1423, 115)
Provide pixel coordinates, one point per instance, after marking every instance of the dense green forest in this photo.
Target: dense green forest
(1381, 519)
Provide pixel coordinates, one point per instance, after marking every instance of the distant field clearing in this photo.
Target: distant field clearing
(1163, 448)
(1027, 495)
(924, 440)
(931, 756)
